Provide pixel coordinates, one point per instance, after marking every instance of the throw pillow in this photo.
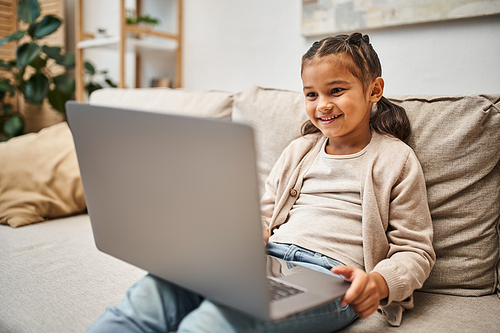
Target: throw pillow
(39, 177)
(457, 140)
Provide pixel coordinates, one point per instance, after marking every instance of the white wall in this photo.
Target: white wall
(231, 45)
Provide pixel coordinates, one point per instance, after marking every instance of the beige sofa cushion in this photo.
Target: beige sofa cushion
(457, 140)
(217, 104)
(276, 116)
(40, 178)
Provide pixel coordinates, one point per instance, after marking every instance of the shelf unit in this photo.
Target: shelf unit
(129, 39)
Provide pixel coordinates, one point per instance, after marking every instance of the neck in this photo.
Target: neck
(348, 145)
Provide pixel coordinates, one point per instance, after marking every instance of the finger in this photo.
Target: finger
(369, 293)
(359, 280)
(366, 303)
(345, 271)
(366, 312)
(363, 298)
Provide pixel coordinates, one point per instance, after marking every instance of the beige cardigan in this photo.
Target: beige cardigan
(396, 223)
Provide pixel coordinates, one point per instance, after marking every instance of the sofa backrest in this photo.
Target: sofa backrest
(276, 116)
(456, 138)
(216, 104)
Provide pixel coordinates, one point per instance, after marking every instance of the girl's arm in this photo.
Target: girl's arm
(410, 256)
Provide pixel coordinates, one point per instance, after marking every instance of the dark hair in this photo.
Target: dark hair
(388, 117)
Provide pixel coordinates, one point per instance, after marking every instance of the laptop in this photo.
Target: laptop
(178, 197)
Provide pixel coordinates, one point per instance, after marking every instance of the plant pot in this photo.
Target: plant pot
(37, 117)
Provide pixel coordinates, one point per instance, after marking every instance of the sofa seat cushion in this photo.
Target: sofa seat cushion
(53, 278)
(217, 104)
(439, 313)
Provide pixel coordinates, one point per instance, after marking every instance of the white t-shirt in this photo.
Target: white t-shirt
(326, 217)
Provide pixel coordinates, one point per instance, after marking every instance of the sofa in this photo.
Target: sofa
(53, 278)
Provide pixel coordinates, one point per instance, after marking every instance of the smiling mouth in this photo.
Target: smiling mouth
(330, 118)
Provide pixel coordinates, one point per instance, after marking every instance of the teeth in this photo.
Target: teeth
(326, 119)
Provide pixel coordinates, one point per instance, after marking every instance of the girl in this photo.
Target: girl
(348, 196)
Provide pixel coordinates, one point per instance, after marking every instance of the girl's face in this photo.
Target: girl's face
(337, 104)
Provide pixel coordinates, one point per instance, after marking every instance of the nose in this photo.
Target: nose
(325, 106)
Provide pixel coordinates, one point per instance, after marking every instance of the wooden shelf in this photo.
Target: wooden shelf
(149, 32)
(134, 38)
(132, 44)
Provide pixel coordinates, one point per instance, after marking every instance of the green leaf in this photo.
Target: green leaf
(19, 79)
(67, 60)
(90, 69)
(26, 53)
(6, 87)
(37, 88)
(46, 26)
(28, 10)
(53, 52)
(65, 83)
(91, 87)
(5, 65)
(110, 83)
(38, 63)
(14, 126)
(15, 36)
(58, 100)
(31, 31)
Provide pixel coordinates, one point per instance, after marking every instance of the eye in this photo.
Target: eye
(311, 95)
(337, 90)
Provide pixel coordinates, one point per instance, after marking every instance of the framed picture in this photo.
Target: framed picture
(323, 17)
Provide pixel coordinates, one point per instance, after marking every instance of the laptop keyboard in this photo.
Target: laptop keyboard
(280, 290)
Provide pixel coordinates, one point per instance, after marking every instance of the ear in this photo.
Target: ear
(376, 90)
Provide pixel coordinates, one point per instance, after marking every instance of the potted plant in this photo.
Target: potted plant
(142, 19)
(32, 73)
(92, 84)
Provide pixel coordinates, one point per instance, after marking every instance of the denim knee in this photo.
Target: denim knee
(150, 305)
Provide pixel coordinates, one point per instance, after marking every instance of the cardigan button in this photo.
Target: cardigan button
(293, 192)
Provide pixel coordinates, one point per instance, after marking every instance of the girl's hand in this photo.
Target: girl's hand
(365, 292)
(266, 236)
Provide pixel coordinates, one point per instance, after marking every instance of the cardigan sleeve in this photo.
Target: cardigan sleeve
(410, 256)
(268, 200)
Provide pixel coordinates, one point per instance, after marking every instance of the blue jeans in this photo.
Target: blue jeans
(155, 305)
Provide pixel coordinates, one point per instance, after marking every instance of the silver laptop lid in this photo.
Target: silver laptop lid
(176, 196)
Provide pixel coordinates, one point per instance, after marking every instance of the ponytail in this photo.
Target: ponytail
(309, 128)
(391, 119)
